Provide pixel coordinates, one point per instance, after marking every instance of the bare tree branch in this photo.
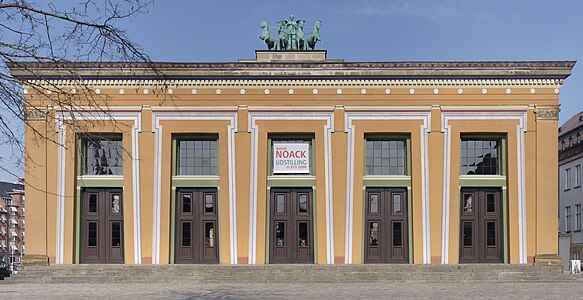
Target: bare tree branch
(57, 33)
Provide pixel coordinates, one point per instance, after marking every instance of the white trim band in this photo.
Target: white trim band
(278, 114)
(388, 113)
(184, 114)
(483, 114)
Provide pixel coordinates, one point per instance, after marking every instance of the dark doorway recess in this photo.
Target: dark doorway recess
(197, 234)
(291, 229)
(480, 225)
(386, 226)
(102, 238)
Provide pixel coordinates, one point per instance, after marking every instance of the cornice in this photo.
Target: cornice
(330, 69)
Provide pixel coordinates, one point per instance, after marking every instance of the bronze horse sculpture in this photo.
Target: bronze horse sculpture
(315, 36)
(266, 37)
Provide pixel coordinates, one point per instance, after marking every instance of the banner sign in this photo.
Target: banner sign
(291, 158)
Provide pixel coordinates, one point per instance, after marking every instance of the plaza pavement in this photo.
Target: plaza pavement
(473, 290)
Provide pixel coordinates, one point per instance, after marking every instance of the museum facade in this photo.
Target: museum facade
(292, 158)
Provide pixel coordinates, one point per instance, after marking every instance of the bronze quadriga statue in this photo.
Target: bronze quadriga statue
(290, 35)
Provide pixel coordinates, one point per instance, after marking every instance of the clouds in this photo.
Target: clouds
(438, 11)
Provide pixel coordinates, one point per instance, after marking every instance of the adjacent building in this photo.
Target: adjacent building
(292, 157)
(12, 223)
(570, 191)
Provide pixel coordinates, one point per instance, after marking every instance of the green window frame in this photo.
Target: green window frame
(386, 155)
(482, 155)
(101, 154)
(196, 155)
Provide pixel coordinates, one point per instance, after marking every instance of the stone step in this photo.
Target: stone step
(285, 273)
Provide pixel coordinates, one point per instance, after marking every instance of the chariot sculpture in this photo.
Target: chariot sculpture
(290, 35)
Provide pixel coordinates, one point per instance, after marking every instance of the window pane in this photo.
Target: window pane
(115, 234)
(279, 233)
(186, 234)
(396, 203)
(303, 230)
(374, 204)
(385, 157)
(197, 157)
(491, 233)
(468, 203)
(374, 233)
(303, 204)
(209, 203)
(467, 234)
(490, 203)
(92, 234)
(280, 203)
(479, 157)
(93, 203)
(103, 156)
(186, 203)
(209, 234)
(116, 204)
(397, 234)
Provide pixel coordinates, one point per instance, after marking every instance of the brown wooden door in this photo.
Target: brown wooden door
(291, 240)
(386, 237)
(102, 227)
(197, 234)
(480, 226)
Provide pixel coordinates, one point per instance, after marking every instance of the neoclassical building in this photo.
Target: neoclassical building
(292, 158)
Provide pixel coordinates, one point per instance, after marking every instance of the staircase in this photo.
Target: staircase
(286, 273)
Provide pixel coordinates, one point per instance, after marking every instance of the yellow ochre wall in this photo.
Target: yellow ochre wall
(540, 165)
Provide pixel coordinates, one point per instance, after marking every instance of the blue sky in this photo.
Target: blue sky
(369, 30)
(372, 30)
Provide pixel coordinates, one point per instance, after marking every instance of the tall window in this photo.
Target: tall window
(563, 145)
(480, 156)
(198, 156)
(567, 178)
(577, 175)
(570, 141)
(102, 155)
(568, 218)
(578, 217)
(578, 137)
(385, 156)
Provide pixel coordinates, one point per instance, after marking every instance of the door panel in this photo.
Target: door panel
(291, 226)
(102, 238)
(386, 235)
(480, 226)
(196, 239)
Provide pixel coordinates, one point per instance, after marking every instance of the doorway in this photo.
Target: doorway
(386, 226)
(291, 227)
(480, 225)
(197, 235)
(102, 227)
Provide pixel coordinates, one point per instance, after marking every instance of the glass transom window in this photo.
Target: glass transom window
(480, 157)
(102, 156)
(198, 157)
(385, 157)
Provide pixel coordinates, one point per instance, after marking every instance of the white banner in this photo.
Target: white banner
(291, 158)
